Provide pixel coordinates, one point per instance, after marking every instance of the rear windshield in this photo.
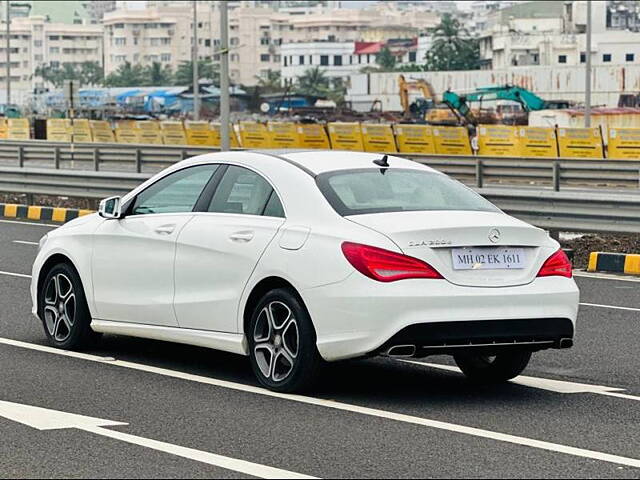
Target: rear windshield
(363, 191)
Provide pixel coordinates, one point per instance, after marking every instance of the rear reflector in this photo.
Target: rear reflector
(557, 265)
(384, 265)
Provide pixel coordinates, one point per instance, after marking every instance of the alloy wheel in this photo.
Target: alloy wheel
(276, 341)
(60, 307)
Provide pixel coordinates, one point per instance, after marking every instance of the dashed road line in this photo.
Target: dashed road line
(22, 242)
(11, 274)
(372, 412)
(614, 307)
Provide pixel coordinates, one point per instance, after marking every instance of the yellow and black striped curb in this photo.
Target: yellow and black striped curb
(614, 263)
(61, 215)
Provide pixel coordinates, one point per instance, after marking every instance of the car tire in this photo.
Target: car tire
(495, 369)
(282, 343)
(62, 307)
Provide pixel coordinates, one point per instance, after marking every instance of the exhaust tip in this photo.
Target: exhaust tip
(566, 342)
(401, 351)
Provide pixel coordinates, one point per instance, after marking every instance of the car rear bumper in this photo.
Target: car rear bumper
(489, 336)
(360, 317)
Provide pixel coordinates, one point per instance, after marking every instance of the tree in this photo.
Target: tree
(385, 60)
(453, 48)
(126, 75)
(313, 82)
(271, 82)
(206, 69)
(157, 75)
(87, 73)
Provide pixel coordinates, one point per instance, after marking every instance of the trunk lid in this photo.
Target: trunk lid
(431, 236)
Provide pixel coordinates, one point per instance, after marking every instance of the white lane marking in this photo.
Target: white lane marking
(558, 386)
(11, 274)
(22, 242)
(621, 395)
(372, 412)
(605, 277)
(610, 306)
(30, 223)
(45, 419)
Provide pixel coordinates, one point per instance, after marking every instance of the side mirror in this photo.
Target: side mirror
(110, 208)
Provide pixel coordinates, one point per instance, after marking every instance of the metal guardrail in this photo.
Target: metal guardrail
(574, 210)
(478, 171)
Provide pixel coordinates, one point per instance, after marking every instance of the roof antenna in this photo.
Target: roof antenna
(383, 162)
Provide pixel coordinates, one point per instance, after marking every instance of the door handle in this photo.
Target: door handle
(241, 236)
(165, 229)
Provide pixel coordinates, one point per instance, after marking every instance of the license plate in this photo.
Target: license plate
(488, 258)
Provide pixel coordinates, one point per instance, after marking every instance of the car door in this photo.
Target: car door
(133, 257)
(219, 249)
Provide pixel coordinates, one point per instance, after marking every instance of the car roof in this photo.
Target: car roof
(321, 161)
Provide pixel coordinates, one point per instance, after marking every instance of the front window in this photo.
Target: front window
(364, 191)
(175, 193)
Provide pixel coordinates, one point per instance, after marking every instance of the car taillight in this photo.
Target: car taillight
(557, 264)
(384, 265)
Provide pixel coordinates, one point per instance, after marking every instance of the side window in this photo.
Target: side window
(175, 193)
(241, 191)
(274, 207)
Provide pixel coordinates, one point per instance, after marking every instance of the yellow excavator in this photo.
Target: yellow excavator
(424, 109)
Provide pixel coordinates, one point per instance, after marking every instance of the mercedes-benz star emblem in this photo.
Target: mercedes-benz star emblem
(494, 235)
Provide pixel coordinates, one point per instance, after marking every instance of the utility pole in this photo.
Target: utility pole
(8, 34)
(194, 50)
(224, 76)
(587, 100)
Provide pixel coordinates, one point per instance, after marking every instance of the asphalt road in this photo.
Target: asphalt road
(373, 418)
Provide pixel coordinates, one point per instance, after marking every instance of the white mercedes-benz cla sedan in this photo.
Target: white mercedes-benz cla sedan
(298, 258)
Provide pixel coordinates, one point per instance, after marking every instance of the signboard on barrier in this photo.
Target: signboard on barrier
(378, 138)
(254, 135)
(312, 135)
(283, 135)
(624, 143)
(451, 141)
(498, 141)
(414, 138)
(538, 142)
(580, 143)
(346, 136)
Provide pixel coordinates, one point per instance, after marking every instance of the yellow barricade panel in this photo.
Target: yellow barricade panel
(199, 133)
(18, 129)
(538, 142)
(233, 139)
(346, 136)
(580, 142)
(4, 129)
(59, 129)
(283, 135)
(624, 143)
(312, 135)
(127, 135)
(101, 131)
(378, 138)
(81, 131)
(451, 141)
(173, 133)
(254, 135)
(498, 141)
(414, 138)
